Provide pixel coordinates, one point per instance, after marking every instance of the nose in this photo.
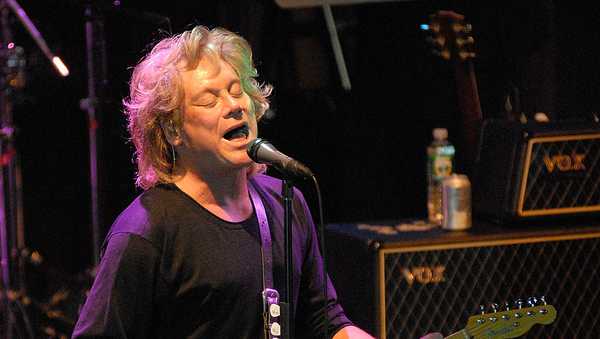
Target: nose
(234, 109)
(232, 104)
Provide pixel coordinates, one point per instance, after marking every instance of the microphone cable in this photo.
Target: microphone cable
(321, 235)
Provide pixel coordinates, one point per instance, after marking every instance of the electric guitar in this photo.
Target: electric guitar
(510, 323)
(450, 38)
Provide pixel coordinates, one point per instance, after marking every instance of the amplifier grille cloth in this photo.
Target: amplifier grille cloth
(563, 190)
(564, 271)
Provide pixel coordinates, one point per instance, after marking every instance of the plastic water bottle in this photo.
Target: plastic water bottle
(440, 161)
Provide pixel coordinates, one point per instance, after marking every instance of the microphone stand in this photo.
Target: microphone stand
(13, 293)
(96, 79)
(94, 103)
(287, 304)
(12, 234)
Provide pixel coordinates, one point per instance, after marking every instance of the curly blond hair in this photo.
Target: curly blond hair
(156, 93)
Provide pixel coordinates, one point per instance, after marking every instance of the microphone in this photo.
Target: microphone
(262, 152)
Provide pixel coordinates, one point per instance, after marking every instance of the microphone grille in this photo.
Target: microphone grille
(253, 148)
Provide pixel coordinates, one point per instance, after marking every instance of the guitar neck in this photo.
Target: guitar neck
(467, 91)
(451, 38)
(470, 109)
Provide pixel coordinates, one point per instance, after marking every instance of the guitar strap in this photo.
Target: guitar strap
(265, 237)
(270, 296)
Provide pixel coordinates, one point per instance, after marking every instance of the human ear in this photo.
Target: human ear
(171, 132)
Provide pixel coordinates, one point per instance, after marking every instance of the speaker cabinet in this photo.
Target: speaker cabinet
(404, 280)
(535, 171)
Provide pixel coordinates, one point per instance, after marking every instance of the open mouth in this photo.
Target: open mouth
(240, 132)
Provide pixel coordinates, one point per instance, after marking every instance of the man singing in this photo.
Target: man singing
(185, 259)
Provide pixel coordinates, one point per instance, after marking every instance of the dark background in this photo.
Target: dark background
(367, 146)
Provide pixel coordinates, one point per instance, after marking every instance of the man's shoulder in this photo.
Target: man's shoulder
(145, 213)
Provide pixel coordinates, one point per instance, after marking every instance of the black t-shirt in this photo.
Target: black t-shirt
(172, 269)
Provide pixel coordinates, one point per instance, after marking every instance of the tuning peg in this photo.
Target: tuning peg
(445, 54)
(494, 307)
(457, 27)
(482, 309)
(519, 303)
(506, 308)
(431, 27)
(468, 41)
(467, 28)
(464, 55)
(437, 42)
(542, 300)
(440, 41)
(532, 301)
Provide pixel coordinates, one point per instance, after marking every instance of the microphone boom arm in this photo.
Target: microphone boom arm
(37, 36)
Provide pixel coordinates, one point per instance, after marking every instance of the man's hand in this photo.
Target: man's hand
(352, 332)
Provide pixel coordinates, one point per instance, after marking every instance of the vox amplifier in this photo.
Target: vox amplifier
(535, 171)
(403, 280)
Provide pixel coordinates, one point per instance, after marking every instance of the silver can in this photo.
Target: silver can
(456, 202)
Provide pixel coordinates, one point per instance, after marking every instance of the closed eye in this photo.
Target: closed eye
(208, 100)
(207, 105)
(235, 90)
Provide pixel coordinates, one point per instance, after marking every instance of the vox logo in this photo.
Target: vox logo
(423, 274)
(565, 163)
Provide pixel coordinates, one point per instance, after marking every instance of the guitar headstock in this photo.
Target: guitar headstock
(510, 323)
(450, 36)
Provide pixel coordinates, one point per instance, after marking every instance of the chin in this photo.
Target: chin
(240, 162)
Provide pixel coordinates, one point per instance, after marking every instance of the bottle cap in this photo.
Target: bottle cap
(440, 133)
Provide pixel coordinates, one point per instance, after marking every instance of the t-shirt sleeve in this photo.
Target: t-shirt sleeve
(119, 304)
(311, 309)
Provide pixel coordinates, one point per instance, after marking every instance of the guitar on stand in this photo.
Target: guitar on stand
(450, 38)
